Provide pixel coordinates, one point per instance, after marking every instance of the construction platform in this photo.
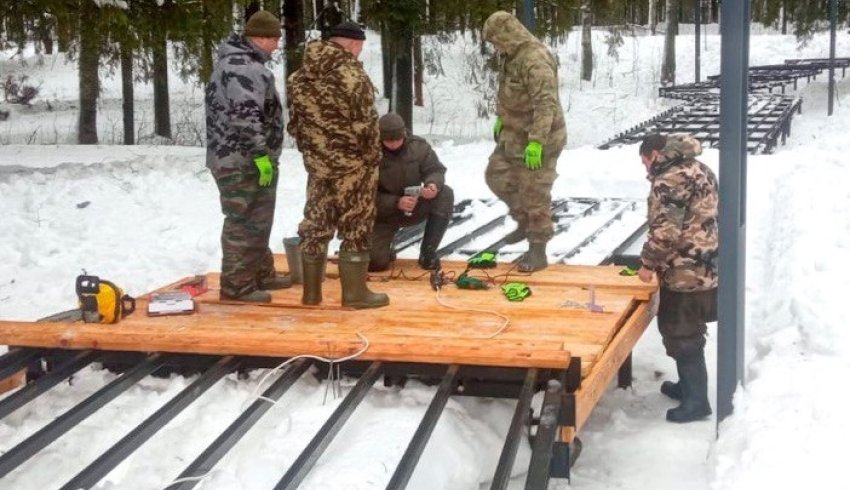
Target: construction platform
(571, 337)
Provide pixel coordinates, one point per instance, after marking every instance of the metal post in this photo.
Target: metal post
(697, 27)
(734, 85)
(528, 14)
(833, 15)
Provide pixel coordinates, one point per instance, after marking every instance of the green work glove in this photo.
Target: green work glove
(533, 155)
(497, 128)
(483, 260)
(628, 271)
(516, 291)
(264, 165)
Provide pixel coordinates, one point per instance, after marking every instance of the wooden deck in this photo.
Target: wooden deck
(546, 330)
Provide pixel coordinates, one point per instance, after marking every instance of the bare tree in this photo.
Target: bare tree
(586, 41)
(668, 67)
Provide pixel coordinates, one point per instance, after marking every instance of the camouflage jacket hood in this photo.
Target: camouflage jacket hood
(682, 216)
(244, 115)
(333, 116)
(506, 33)
(528, 101)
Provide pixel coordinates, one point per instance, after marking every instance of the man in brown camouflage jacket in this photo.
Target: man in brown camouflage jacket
(681, 249)
(530, 133)
(335, 125)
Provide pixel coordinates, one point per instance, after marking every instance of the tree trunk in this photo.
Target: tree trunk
(403, 89)
(206, 46)
(652, 16)
(586, 41)
(127, 93)
(418, 68)
(668, 67)
(387, 57)
(161, 109)
(89, 81)
(293, 23)
(784, 17)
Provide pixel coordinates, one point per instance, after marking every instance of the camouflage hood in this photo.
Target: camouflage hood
(506, 32)
(237, 45)
(323, 57)
(679, 147)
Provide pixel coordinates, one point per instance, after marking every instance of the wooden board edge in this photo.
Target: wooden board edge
(13, 382)
(596, 382)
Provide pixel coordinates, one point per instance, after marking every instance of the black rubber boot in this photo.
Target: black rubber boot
(434, 231)
(312, 274)
(258, 296)
(671, 389)
(535, 259)
(352, 276)
(517, 235)
(693, 384)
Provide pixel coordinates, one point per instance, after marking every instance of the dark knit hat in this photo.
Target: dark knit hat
(348, 30)
(391, 126)
(263, 24)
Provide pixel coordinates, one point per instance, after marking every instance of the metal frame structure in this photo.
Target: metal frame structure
(551, 456)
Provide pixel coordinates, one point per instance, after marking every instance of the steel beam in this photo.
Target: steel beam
(41, 385)
(411, 456)
(113, 456)
(204, 463)
(547, 431)
(68, 420)
(734, 60)
(316, 447)
(519, 422)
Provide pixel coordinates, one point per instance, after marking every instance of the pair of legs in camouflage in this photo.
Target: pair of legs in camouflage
(345, 205)
(248, 216)
(528, 193)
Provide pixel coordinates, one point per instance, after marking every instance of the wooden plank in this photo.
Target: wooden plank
(13, 382)
(603, 277)
(129, 337)
(603, 371)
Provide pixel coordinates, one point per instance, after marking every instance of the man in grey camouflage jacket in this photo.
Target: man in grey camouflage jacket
(530, 133)
(244, 139)
(681, 249)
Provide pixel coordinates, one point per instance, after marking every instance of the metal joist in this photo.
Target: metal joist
(541, 454)
(519, 422)
(411, 456)
(67, 421)
(41, 385)
(205, 462)
(17, 359)
(113, 456)
(316, 447)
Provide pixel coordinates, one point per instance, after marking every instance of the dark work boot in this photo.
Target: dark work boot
(252, 297)
(352, 277)
(278, 281)
(693, 384)
(671, 389)
(517, 235)
(434, 231)
(312, 274)
(534, 259)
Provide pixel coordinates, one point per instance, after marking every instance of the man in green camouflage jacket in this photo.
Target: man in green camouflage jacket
(335, 125)
(530, 133)
(244, 138)
(681, 249)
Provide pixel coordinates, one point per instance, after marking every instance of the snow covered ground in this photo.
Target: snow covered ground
(145, 215)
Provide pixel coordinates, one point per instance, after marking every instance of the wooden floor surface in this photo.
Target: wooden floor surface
(458, 326)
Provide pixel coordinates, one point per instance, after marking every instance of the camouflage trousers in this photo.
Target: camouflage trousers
(528, 193)
(345, 204)
(682, 318)
(381, 253)
(248, 216)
